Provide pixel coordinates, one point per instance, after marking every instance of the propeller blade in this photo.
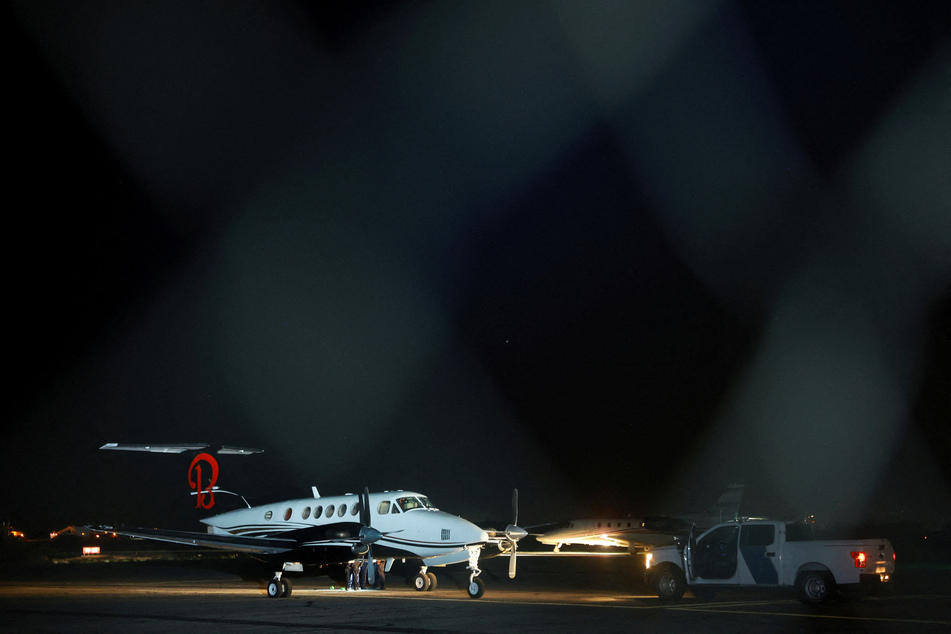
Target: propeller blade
(365, 507)
(371, 568)
(368, 534)
(513, 532)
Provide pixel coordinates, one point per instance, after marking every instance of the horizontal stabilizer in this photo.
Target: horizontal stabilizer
(156, 448)
(238, 451)
(179, 448)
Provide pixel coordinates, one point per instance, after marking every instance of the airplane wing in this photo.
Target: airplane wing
(574, 553)
(234, 543)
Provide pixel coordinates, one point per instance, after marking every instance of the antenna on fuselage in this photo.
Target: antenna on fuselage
(314, 489)
(217, 490)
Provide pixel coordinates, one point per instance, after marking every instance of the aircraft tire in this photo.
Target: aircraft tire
(275, 588)
(669, 582)
(421, 582)
(286, 587)
(432, 581)
(476, 588)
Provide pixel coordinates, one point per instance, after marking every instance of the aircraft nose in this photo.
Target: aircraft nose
(472, 533)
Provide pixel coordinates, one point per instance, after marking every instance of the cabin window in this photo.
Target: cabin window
(318, 511)
(305, 513)
(267, 516)
(355, 509)
(287, 514)
(383, 507)
(330, 510)
(342, 510)
(599, 524)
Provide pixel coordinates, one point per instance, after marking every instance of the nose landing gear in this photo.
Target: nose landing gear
(476, 587)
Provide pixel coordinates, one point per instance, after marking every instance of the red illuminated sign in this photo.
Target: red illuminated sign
(206, 496)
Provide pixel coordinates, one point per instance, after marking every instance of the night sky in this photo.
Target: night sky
(618, 255)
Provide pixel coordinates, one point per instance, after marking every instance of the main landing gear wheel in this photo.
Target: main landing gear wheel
(422, 581)
(432, 581)
(279, 588)
(476, 588)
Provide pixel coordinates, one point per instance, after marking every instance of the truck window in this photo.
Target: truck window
(714, 556)
(799, 533)
(757, 535)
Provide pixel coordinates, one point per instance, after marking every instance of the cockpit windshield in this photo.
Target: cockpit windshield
(409, 503)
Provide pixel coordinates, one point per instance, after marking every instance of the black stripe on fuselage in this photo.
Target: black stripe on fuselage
(339, 531)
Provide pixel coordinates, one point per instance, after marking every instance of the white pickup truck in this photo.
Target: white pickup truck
(766, 553)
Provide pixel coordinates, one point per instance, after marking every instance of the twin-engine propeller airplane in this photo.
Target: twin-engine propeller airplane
(335, 530)
(639, 534)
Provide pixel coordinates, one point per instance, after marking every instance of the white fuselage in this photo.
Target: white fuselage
(409, 524)
(591, 532)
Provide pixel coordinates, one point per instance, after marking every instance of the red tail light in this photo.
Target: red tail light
(859, 558)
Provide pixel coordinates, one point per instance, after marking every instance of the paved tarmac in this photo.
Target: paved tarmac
(564, 595)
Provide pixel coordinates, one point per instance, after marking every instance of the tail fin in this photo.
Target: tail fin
(728, 505)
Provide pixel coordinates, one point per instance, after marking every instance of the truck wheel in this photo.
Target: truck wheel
(815, 587)
(669, 582)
